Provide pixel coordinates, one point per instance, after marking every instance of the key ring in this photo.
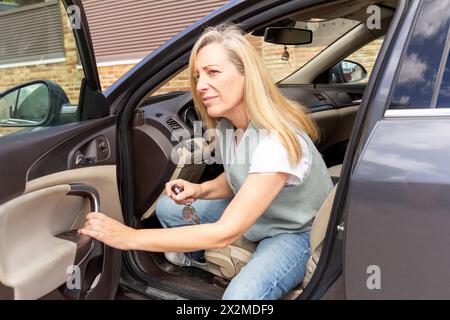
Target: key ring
(188, 212)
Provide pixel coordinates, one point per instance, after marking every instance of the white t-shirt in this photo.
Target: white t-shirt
(271, 156)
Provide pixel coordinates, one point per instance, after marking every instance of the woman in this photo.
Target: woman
(271, 188)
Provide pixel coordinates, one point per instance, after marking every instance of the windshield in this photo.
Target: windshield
(324, 34)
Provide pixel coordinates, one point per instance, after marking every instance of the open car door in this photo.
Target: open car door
(51, 177)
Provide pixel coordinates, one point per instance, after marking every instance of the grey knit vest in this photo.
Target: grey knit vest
(295, 207)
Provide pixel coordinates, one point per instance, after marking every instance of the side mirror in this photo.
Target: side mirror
(36, 103)
(288, 36)
(347, 71)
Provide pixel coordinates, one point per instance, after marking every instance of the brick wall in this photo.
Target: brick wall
(109, 74)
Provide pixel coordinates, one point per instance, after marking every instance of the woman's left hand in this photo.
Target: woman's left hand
(109, 231)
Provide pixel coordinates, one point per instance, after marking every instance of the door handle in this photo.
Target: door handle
(91, 152)
(84, 190)
(81, 159)
(89, 257)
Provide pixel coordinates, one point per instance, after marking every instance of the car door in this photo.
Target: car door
(396, 226)
(51, 177)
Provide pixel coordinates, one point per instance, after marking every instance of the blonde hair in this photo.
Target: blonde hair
(266, 106)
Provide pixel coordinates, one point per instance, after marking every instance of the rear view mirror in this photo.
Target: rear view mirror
(288, 36)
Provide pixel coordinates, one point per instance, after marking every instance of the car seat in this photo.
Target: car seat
(227, 262)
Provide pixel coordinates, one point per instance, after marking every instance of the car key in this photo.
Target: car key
(188, 211)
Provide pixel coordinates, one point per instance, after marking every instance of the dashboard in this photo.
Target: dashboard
(176, 111)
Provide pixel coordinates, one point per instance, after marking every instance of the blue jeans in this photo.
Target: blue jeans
(277, 266)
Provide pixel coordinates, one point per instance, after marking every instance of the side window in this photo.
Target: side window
(41, 72)
(424, 78)
(357, 67)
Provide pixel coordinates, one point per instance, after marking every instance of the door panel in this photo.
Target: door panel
(35, 268)
(102, 178)
(336, 125)
(33, 164)
(65, 155)
(46, 213)
(344, 94)
(334, 108)
(101, 260)
(29, 155)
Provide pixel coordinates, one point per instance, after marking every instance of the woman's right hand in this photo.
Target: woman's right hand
(191, 191)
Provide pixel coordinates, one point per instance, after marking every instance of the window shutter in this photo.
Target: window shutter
(31, 33)
(131, 29)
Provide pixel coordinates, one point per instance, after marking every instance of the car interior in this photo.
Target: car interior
(162, 121)
(60, 174)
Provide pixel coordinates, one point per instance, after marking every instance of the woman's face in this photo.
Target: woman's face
(219, 84)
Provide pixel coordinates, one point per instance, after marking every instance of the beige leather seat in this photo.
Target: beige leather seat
(227, 262)
(335, 171)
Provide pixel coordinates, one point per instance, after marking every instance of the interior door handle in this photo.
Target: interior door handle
(83, 190)
(81, 159)
(91, 152)
(89, 257)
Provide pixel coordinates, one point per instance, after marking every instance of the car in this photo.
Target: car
(381, 233)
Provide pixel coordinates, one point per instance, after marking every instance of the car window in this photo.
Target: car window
(364, 57)
(37, 43)
(324, 34)
(424, 77)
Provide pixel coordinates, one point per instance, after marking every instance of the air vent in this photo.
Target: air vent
(173, 125)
